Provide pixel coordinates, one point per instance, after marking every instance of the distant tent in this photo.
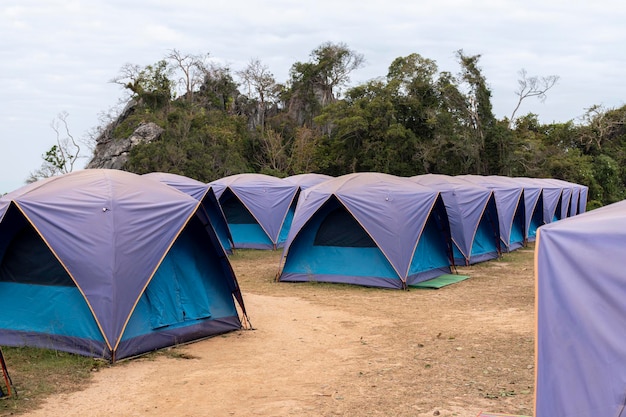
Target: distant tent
(307, 180)
(110, 264)
(256, 207)
(566, 196)
(578, 204)
(533, 204)
(582, 199)
(368, 229)
(571, 197)
(574, 202)
(552, 200)
(511, 208)
(581, 315)
(203, 193)
(472, 215)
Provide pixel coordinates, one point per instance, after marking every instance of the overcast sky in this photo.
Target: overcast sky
(59, 56)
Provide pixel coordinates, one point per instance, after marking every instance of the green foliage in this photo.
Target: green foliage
(38, 373)
(55, 157)
(152, 85)
(204, 145)
(415, 120)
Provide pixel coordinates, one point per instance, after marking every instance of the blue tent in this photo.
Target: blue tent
(553, 205)
(533, 203)
(566, 196)
(256, 207)
(110, 264)
(573, 210)
(472, 215)
(582, 199)
(581, 315)
(511, 208)
(369, 229)
(203, 193)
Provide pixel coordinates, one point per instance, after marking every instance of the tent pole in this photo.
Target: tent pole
(7, 378)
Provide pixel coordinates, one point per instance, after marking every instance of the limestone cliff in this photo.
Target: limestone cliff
(111, 152)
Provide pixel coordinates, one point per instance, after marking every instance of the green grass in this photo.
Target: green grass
(254, 254)
(39, 373)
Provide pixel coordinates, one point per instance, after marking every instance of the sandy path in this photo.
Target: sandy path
(228, 376)
(340, 351)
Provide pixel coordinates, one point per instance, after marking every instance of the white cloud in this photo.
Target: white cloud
(59, 55)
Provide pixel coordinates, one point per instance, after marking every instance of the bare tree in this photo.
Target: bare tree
(62, 156)
(261, 85)
(532, 87)
(128, 77)
(192, 69)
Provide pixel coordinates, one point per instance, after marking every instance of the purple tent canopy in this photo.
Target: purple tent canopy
(581, 315)
(533, 201)
(509, 200)
(110, 230)
(466, 205)
(566, 196)
(552, 199)
(266, 198)
(189, 186)
(393, 211)
(307, 180)
(582, 200)
(203, 193)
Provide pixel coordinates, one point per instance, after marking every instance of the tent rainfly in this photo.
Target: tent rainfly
(533, 203)
(553, 202)
(257, 209)
(307, 180)
(203, 193)
(511, 208)
(580, 315)
(472, 215)
(110, 264)
(368, 229)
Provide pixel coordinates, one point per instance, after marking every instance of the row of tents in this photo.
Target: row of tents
(111, 264)
(382, 230)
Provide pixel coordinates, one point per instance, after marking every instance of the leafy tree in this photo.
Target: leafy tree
(218, 90)
(315, 84)
(212, 147)
(303, 149)
(609, 188)
(528, 156)
(150, 85)
(456, 152)
(481, 113)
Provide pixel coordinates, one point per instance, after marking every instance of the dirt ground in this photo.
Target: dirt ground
(339, 350)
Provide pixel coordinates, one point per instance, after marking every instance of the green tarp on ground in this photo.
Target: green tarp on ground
(441, 281)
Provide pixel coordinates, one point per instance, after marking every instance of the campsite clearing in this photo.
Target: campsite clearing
(340, 350)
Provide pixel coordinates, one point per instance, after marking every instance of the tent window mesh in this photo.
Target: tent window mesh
(28, 260)
(236, 212)
(339, 228)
